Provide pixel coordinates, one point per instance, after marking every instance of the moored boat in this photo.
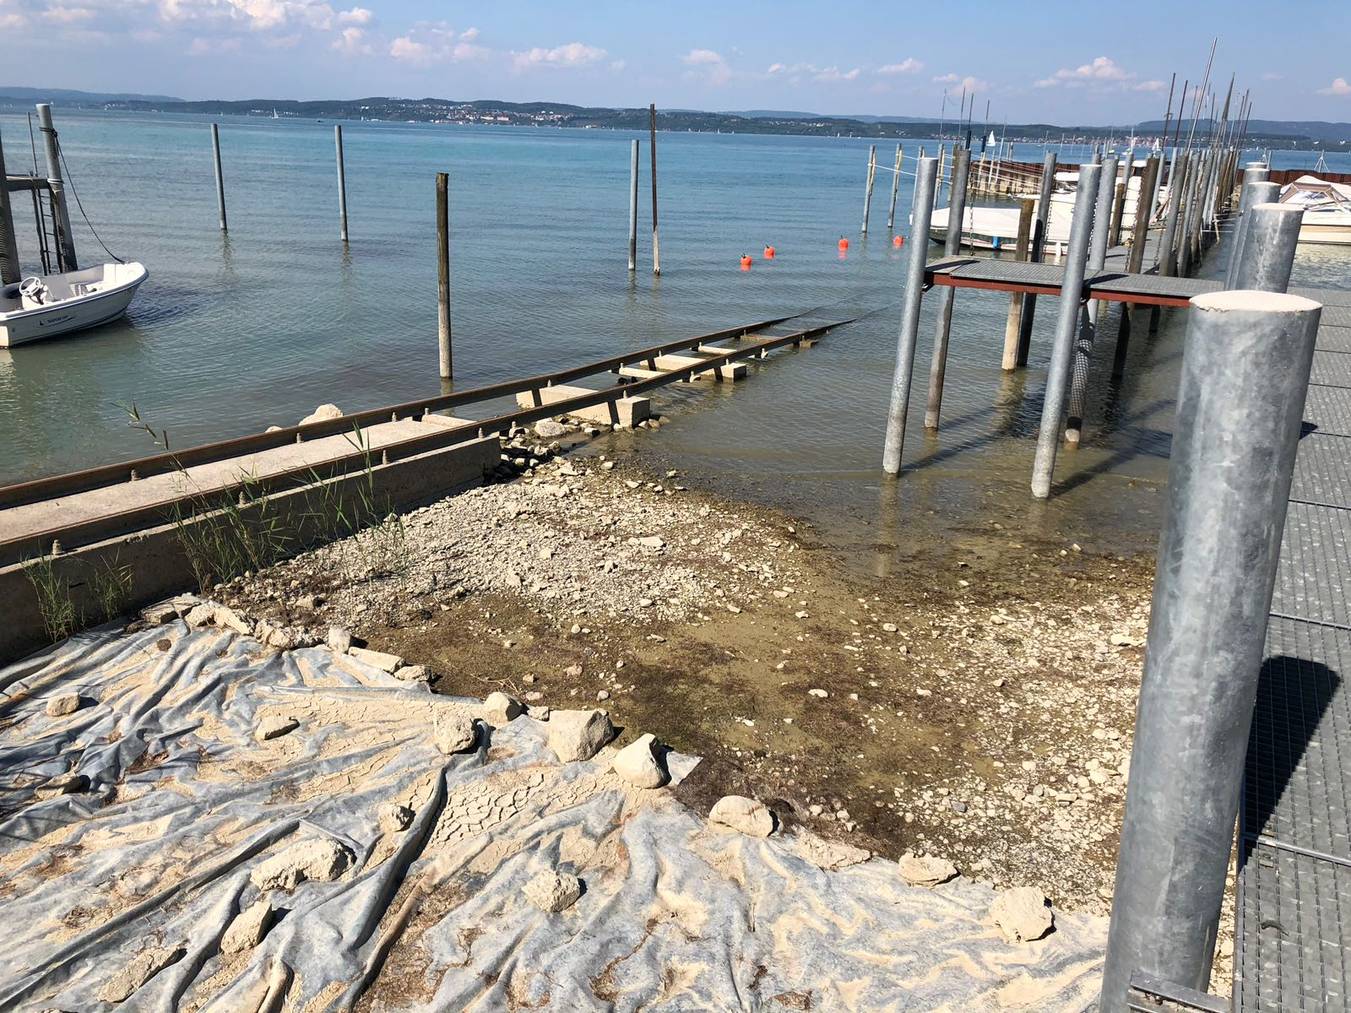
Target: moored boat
(44, 306)
(1327, 209)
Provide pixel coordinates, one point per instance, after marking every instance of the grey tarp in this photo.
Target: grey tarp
(183, 804)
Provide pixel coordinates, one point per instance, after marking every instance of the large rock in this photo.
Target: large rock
(60, 706)
(744, 815)
(453, 731)
(1022, 914)
(339, 639)
(390, 663)
(925, 870)
(248, 928)
(637, 763)
(578, 735)
(322, 414)
(274, 726)
(500, 709)
(413, 673)
(144, 966)
(553, 891)
(320, 859)
(395, 817)
(549, 429)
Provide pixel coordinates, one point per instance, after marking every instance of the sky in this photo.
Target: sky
(1066, 63)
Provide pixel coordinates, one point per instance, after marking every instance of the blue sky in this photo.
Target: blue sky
(1107, 63)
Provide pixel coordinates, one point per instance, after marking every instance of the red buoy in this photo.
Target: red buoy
(898, 240)
(745, 262)
(843, 244)
(769, 252)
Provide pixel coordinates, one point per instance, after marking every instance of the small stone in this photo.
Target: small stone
(377, 659)
(573, 671)
(602, 695)
(453, 731)
(306, 601)
(228, 619)
(553, 891)
(144, 966)
(889, 628)
(925, 870)
(637, 763)
(539, 712)
(412, 673)
(200, 615)
(248, 928)
(500, 709)
(274, 726)
(744, 815)
(322, 414)
(1125, 640)
(60, 706)
(339, 639)
(576, 735)
(548, 429)
(957, 805)
(1022, 914)
(321, 859)
(395, 817)
(820, 693)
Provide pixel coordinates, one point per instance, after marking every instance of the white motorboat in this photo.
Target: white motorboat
(1327, 209)
(43, 306)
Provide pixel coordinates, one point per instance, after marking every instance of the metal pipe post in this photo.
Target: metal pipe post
(1013, 325)
(1135, 262)
(1177, 186)
(1105, 221)
(1036, 251)
(10, 269)
(1254, 193)
(342, 181)
(961, 167)
(220, 177)
(65, 240)
(895, 187)
(652, 151)
(925, 176)
(1267, 256)
(633, 205)
(868, 191)
(443, 274)
(1071, 306)
(1245, 371)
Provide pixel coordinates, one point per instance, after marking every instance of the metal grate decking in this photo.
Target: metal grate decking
(1293, 932)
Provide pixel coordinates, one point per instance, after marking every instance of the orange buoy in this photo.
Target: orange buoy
(843, 244)
(745, 262)
(898, 240)
(769, 252)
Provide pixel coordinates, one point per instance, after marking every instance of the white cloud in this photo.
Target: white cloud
(352, 41)
(708, 66)
(1102, 69)
(430, 42)
(356, 16)
(469, 34)
(1339, 86)
(408, 49)
(795, 72)
(1148, 86)
(907, 66)
(969, 83)
(570, 55)
(835, 74)
(68, 15)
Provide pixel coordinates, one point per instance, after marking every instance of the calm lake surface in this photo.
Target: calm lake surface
(236, 332)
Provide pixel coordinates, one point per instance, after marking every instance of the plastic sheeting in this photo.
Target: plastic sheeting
(154, 859)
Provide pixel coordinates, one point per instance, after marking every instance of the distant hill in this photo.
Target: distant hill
(74, 97)
(1297, 130)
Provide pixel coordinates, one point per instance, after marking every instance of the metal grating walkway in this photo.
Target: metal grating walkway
(1293, 931)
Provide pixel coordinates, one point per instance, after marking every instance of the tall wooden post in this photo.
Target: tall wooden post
(895, 186)
(342, 180)
(633, 206)
(652, 146)
(868, 191)
(1014, 324)
(443, 273)
(220, 177)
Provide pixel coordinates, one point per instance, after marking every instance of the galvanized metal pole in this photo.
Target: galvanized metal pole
(10, 269)
(1135, 262)
(652, 152)
(895, 187)
(1104, 222)
(925, 176)
(1254, 192)
(1013, 324)
(60, 211)
(1037, 251)
(447, 365)
(1267, 255)
(868, 192)
(342, 182)
(220, 177)
(1071, 300)
(633, 205)
(961, 167)
(1245, 371)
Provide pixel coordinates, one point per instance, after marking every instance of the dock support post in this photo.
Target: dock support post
(938, 189)
(1245, 371)
(443, 274)
(220, 177)
(1135, 261)
(952, 245)
(10, 269)
(633, 205)
(1013, 326)
(65, 242)
(895, 187)
(925, 176)
(1105, 221)
(652, 152)
(1067, 322)
(868, 191)
(1265, 255)
(1037, 251)
(1253, 193)
(342, 182)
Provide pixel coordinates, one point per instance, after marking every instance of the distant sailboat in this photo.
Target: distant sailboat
(991, 139)
(274, 113)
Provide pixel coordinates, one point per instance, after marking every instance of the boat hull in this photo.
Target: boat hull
(66, 316)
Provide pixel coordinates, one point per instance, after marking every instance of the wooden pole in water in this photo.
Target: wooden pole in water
(10, 271)
(633, 206)
(938, 189)
(1036, 251)
(895, 186)
(961, 167)
(220, 176)
(652, 152)
(1013, 327)
(1118, 211)
(443, 274)
(1135, 262)
(868, 192)
(342, 180)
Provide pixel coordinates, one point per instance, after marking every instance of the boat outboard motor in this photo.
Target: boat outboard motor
(33, 290)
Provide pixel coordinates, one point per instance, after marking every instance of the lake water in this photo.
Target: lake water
(236, 332)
